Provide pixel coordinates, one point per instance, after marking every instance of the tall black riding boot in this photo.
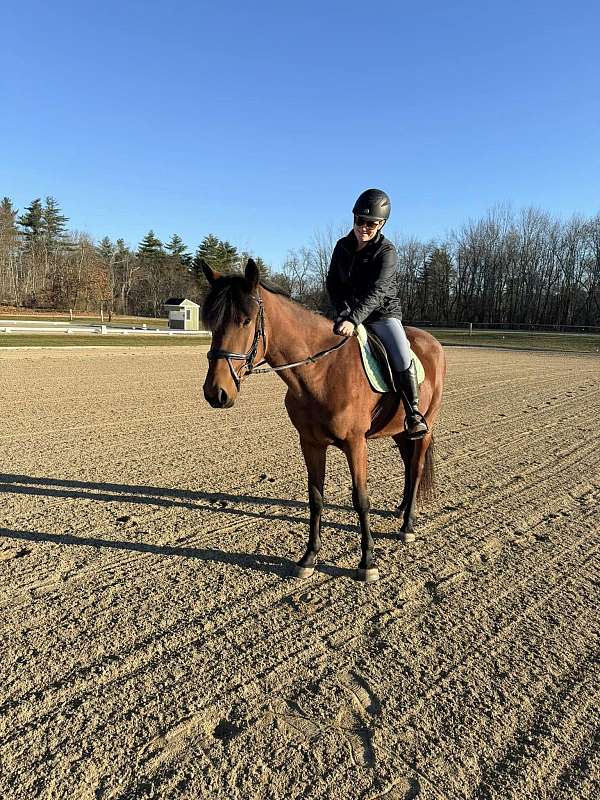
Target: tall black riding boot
(407, 384)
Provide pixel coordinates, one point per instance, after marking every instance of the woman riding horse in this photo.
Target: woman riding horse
(329, 399)
(363, 287)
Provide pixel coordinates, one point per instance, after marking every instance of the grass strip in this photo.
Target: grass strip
(522, 340)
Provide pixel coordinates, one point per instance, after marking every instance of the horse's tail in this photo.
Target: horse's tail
(427, 489)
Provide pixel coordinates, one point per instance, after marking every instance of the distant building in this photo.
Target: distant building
(184, 314)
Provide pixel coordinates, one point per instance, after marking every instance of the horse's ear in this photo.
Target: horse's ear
(211, 275)
(252, 274)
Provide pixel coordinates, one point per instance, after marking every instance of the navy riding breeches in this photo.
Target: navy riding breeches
(391, 332)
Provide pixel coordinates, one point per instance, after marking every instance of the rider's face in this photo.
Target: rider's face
(366, 229)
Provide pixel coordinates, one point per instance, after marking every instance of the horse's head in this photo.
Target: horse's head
(233, 312)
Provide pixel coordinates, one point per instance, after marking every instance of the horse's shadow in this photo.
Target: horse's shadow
(276, 565)
(213, 502)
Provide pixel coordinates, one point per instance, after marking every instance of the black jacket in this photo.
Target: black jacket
(363, 284)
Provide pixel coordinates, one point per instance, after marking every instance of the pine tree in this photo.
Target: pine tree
(228, 256)
(32, 221)
(8, 221)
(263, 270)
(177, 249)
(122, 249)
(150, 248)
(53, 223)
(206, 252)
(106, 250)
(219, 255)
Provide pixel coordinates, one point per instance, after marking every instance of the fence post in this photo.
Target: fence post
(470, 329)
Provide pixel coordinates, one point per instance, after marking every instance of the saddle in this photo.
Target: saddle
(376, 363)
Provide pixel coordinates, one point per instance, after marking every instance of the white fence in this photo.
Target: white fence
(44, 327)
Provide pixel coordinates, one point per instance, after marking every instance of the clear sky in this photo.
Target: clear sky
(261, 122)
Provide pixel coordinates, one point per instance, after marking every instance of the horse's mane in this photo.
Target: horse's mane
(229, 300)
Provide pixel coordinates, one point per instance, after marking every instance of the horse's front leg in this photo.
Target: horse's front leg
(314, 456)
(356, 453)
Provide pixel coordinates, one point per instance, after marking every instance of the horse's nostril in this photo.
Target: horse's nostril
(222, 397)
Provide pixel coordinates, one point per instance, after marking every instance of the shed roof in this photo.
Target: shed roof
(181, 301)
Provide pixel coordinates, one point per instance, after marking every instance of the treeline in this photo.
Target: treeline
(44, 265)
(513, 268)
(526, 268)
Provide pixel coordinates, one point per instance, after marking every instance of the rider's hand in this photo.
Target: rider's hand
(344, 328)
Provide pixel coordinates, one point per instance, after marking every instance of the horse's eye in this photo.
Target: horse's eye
(246, 322)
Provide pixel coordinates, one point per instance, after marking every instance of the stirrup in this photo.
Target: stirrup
(416, 419)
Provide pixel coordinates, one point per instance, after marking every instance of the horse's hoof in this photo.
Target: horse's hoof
(406, 536)
(367, 575)
(302, 572)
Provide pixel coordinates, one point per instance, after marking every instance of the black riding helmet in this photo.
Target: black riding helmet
(373, 204)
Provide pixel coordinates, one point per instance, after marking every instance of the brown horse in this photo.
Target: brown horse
(329, 399)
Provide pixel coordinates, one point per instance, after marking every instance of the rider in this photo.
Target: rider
(363, 287)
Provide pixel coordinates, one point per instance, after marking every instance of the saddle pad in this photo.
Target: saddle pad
(372, 367)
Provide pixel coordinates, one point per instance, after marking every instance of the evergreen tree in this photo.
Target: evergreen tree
(53, 223)
(178, 250)
(221, 256)
(32, 221)
(207, 251)
(123, 251)
(263, 270)
(8, 221)
(106, 250)
(228, 257)
(150, 248)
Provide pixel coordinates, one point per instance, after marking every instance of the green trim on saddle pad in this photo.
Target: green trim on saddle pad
(371, 364)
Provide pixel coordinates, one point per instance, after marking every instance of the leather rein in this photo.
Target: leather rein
(248, 358)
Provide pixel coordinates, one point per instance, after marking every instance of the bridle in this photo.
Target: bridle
(248, 358)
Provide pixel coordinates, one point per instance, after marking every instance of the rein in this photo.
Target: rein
(248, 358)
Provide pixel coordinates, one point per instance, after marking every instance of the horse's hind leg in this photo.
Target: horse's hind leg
(406, 448)
(314, 457)
(417, 468)
(356, 453)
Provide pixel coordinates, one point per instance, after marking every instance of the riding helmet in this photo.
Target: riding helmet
(373, 204)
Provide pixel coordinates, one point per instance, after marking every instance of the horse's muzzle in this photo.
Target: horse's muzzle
(217, 397)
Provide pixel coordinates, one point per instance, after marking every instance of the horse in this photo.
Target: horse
(329, 399)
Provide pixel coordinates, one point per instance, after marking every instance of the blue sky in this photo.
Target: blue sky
(261, 122)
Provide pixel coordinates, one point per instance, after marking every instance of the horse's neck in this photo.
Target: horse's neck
(293, 332)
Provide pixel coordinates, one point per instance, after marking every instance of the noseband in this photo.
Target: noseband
(247, 358)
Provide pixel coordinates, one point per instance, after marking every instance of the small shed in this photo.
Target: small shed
(184, 314)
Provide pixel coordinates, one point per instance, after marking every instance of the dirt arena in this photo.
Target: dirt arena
(153, 645)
